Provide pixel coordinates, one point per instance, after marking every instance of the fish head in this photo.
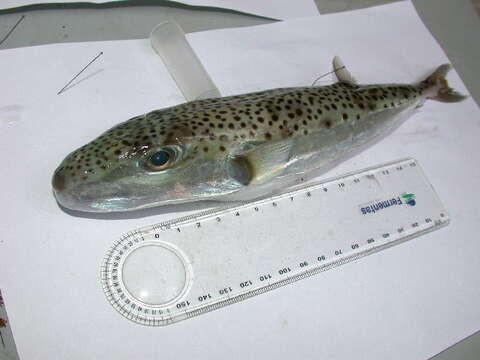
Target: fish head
(138, 165)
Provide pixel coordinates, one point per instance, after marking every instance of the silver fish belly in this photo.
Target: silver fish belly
(238, 147)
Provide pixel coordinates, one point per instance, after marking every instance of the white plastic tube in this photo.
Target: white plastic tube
(168, 40)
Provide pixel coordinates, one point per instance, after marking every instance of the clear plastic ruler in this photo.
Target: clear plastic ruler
(175, 270)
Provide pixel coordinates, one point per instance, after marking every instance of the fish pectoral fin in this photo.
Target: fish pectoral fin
(262, 163)
(342, 73)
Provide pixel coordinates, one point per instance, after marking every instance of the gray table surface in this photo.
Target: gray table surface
(454, 24)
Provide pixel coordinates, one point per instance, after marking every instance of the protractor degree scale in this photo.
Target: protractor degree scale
(175, 270)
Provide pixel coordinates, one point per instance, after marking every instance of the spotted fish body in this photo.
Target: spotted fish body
(237, 147)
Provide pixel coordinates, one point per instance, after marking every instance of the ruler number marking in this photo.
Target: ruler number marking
(265, 277)
(226, 290)
(246, 284)
(182, 304)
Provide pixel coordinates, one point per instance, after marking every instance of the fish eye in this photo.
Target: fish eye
(161, 159)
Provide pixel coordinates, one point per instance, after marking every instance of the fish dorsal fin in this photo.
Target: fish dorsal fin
(261, 163)
(342, 73)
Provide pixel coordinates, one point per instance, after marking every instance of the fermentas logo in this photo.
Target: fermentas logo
(409, 199)
(376, 206)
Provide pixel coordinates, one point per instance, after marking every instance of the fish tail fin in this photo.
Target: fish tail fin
(437, 81)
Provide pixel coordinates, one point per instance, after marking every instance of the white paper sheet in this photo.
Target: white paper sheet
(275, 9)
(408, 302)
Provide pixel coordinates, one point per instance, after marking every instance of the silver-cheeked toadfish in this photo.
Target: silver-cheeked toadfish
(237, 147)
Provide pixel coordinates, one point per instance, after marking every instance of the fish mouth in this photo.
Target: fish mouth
(88, 198)
(58, 182)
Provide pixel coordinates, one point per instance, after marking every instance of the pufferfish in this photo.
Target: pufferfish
(237, 147)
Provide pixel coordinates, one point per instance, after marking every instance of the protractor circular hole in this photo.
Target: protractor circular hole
(154, 274)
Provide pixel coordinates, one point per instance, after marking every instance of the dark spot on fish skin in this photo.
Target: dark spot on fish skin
(254, 126)
(295, 127)
(372, 106)
(260, 119)
(358, 117)
(222, 148)
(299, 112)
(328, 123)
(205, 149)
(117, 152)
(268, 136)
(345, 116)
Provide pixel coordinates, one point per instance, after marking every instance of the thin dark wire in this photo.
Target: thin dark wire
(86, 66)
(11, 30)
(328, 73)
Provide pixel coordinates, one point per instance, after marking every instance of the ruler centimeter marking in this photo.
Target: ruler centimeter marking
(223, 265)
